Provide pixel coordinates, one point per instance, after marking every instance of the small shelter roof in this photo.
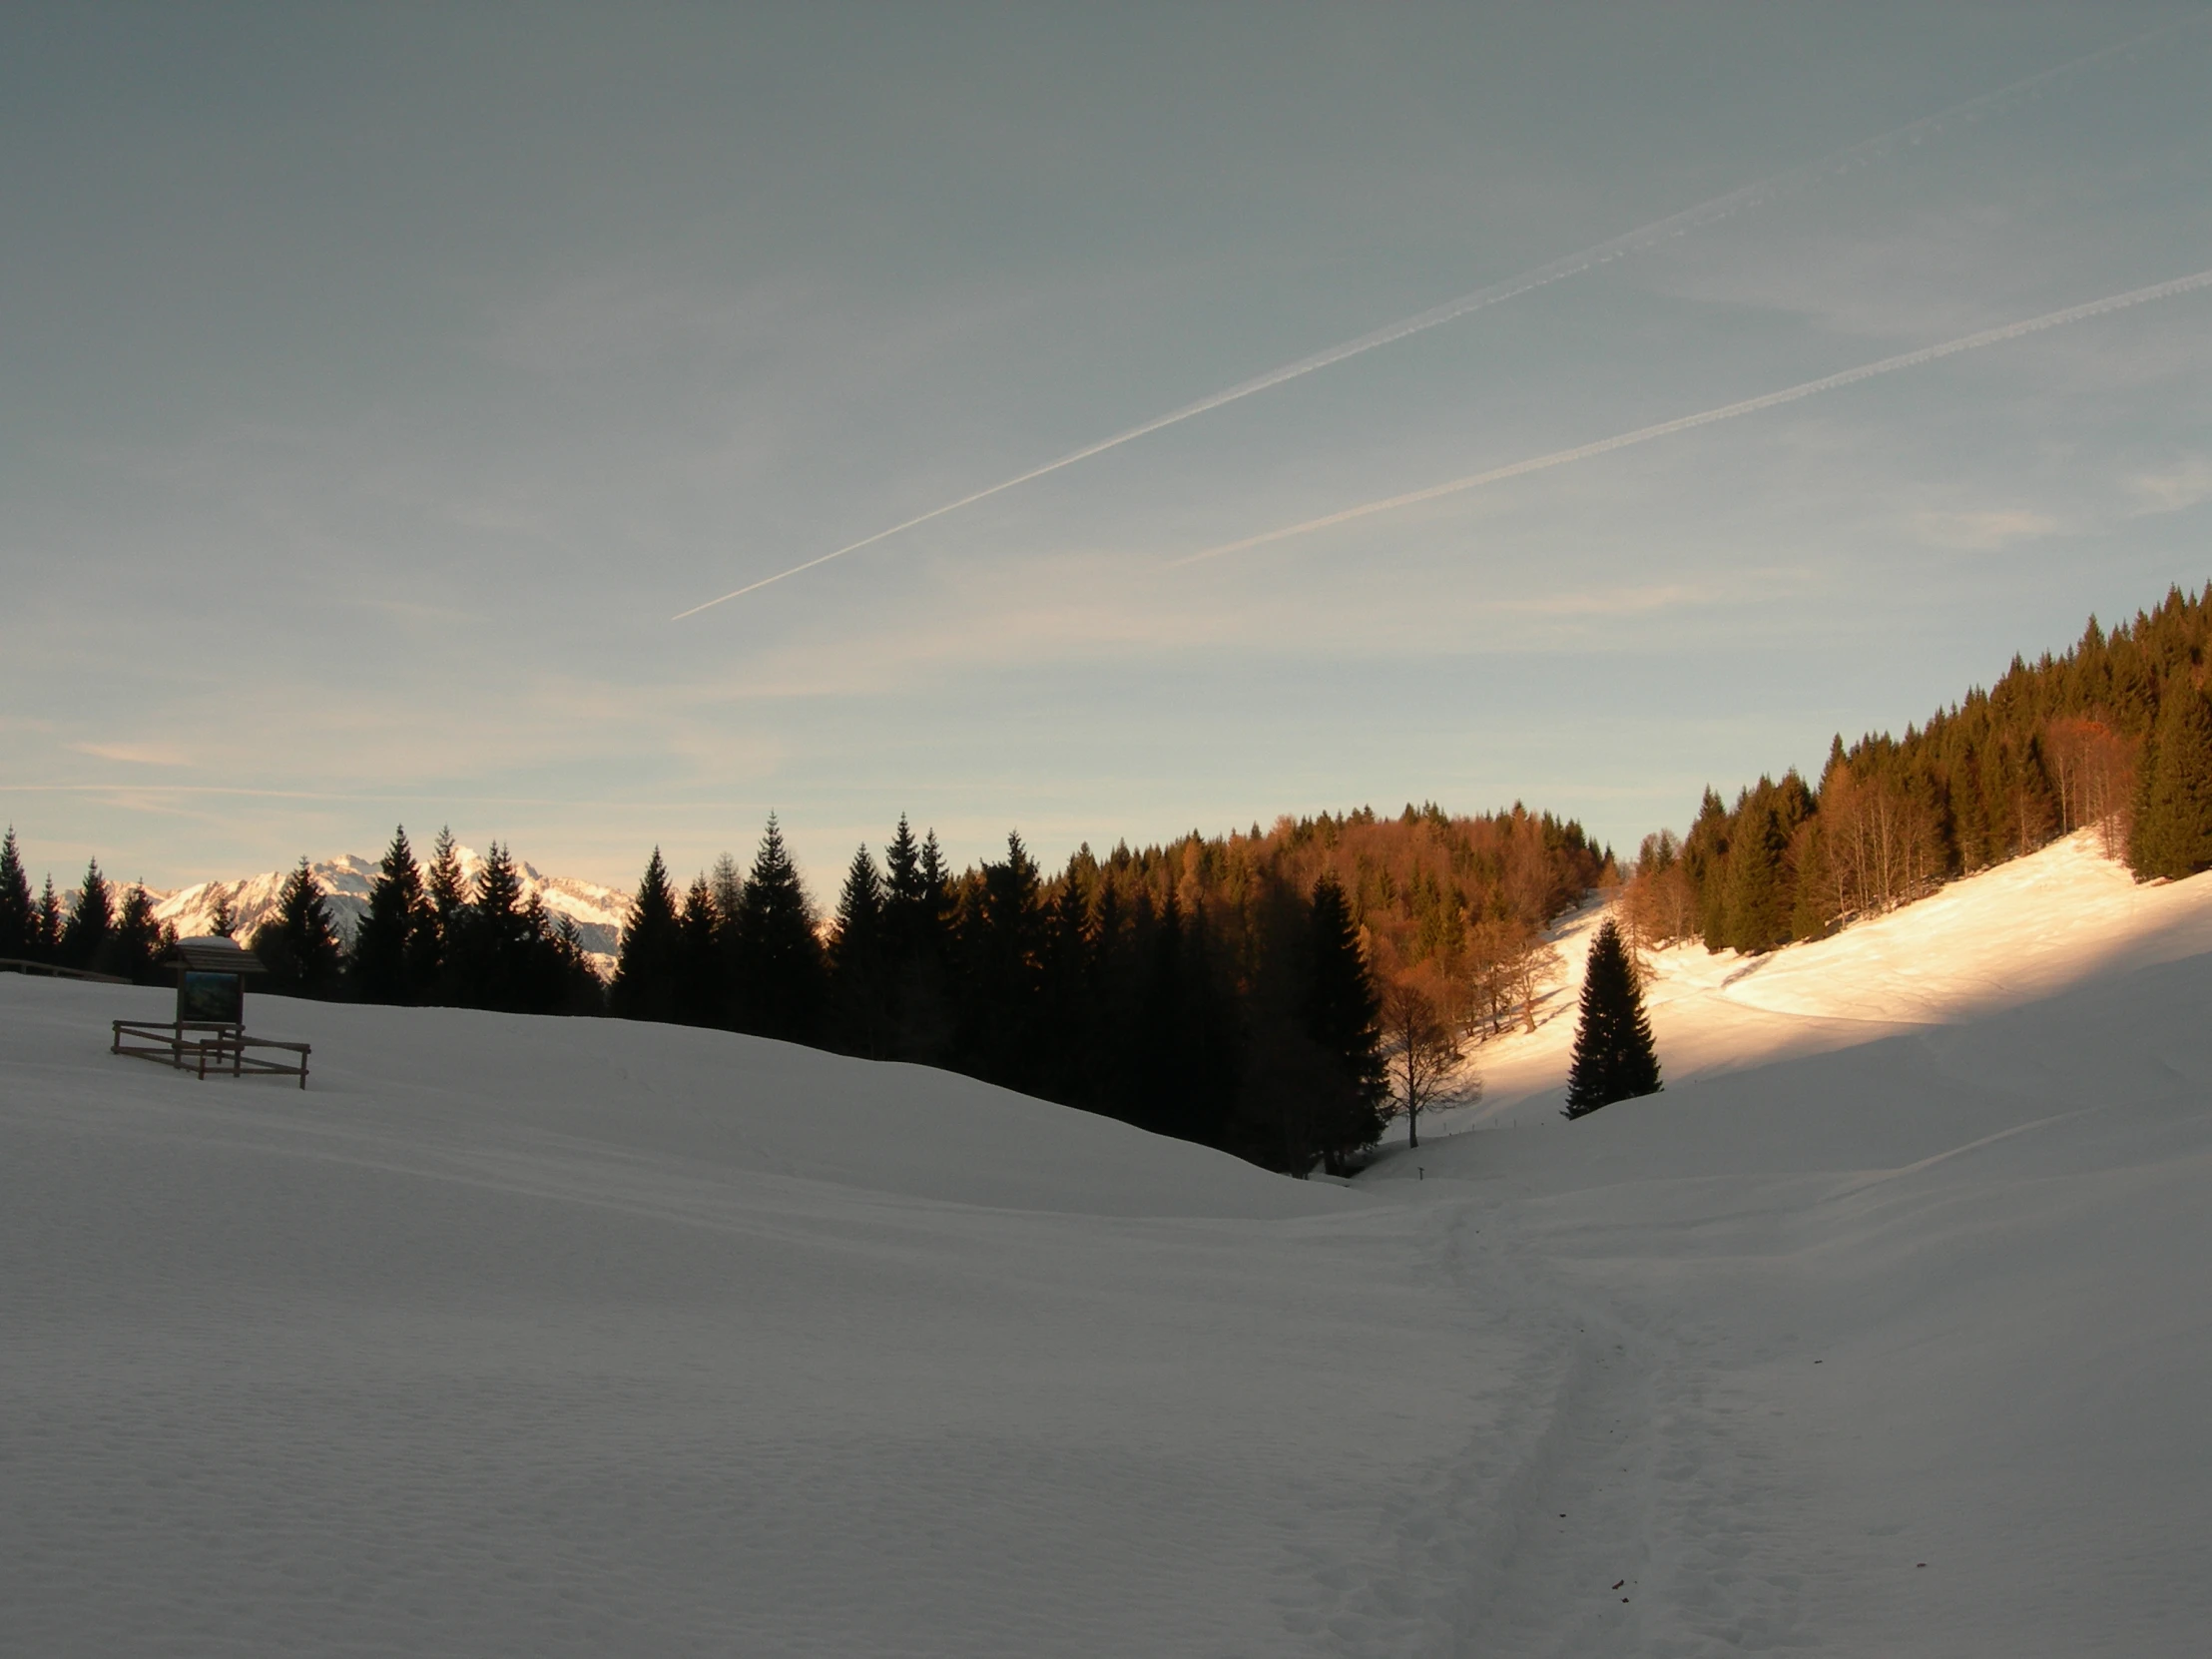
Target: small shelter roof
(212, 953)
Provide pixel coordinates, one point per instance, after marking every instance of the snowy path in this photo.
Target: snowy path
(532, 1337)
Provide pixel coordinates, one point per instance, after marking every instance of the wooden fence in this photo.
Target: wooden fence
(191, 1047)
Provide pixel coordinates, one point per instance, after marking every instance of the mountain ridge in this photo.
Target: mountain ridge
(597, 911)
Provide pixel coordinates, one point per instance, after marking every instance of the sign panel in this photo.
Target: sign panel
(211, 998)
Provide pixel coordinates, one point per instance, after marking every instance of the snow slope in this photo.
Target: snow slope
(540, 1336)
(2021, 932)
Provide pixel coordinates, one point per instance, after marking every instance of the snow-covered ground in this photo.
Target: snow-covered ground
(544, 1336)
(2018, 933)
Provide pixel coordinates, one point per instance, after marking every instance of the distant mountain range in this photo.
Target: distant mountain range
(597, 911)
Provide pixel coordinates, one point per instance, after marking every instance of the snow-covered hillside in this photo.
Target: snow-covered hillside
(545, 1336)
(345, 880)
(2012, 935)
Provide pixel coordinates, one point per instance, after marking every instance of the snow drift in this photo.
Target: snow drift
(541, 1337)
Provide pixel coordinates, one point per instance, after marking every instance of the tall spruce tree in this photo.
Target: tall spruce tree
(581, 991)
(492, 956)
(645, 970)
(85, 934)
(17, 915)
(223, 921)
(1613, 1054)
(298, 945)
(915, 905)
(383, 972)
(1343, 1018)
(439, 921)
(700, 996)
(859, 1012)
(779, 969)
(1070, 1007)
(2172, 834)
(1001, 955)
(133, 950)
(46, 929)
(1756, 919)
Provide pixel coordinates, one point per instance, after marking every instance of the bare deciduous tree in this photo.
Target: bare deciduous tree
(1424, 1051)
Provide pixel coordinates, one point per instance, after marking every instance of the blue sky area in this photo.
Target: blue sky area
(377, 383)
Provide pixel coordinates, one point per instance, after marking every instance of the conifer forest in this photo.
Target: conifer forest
(1245, 991)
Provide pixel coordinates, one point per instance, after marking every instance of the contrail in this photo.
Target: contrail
(1727, 411)
(1682, 224)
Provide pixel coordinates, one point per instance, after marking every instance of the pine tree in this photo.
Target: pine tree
(1613, 1054)
(298, 945)
(858, 999)
(902, 880)
(2172, 836)
(581, 990)
(223, 921)
(645, 971)
(492, 939)
(18, 915)
(700, 998)
(1755, 918)
(134, 948)
(85, 934)
(1343, 1018)
(439, 921)
(46, 931)
(779, 970)
(1001, 958)
(919, 1010)
(383, 942)
(1705, 859)
(1069, 1011)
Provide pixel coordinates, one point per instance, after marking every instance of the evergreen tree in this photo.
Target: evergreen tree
(903, 888)
(915, 907)
(1756, 919)
(858, 992)
(298, 945)
(85, 934)
(1809, 917)
(223, 921)
(580, 989)
(18, 915)
(134, 948)
(1070, 1004)
(2173, 802)
(700, 998)
(1001, 952)
(1613, 1055)
(1705, 858)
(645, 971)
(439, 921)
(46, 931)
(1343, 1019)
(383, 972)
(493, 940)
(779, 969)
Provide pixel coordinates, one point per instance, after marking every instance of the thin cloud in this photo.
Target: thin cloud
(2173, 491)
(1986, 530)
(135, 753)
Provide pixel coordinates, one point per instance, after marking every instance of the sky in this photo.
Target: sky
(379, 383)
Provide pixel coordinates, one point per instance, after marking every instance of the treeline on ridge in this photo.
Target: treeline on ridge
(1225, 989)
(2115, 734)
